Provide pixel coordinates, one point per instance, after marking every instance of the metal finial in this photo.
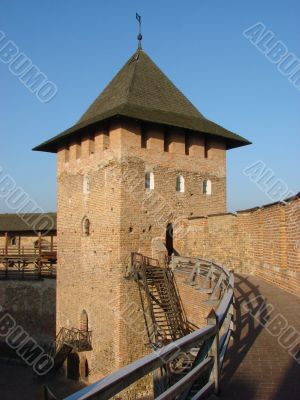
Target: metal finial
(140, 37)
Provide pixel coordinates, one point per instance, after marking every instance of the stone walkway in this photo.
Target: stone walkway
(257, 366)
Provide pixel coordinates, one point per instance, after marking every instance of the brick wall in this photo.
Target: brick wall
(194, 302)
(264, 241)
(32, 305)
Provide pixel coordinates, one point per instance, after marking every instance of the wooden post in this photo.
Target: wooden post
(19, 244)
(212, 276)
(159, 381)
(51, 243)
(212, 319)
(213, 295)
(6, 243)
(40, 243)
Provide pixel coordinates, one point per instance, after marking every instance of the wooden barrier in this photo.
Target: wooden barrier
(213, 340)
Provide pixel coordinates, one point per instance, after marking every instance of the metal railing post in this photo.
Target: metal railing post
(212, 319)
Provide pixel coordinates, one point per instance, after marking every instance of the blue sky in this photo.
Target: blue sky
(80, 45)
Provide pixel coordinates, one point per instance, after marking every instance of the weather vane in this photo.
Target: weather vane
(140, 37)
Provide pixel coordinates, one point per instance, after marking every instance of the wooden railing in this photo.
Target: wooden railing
(35, 262)
(27, 251)
(213, 340)
(205, 275)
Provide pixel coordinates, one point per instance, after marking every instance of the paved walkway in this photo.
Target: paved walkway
(257, 366)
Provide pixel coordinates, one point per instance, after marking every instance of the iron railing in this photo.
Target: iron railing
(77, 339)
(213, 340)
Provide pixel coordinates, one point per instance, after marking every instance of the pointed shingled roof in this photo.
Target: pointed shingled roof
(142, 91)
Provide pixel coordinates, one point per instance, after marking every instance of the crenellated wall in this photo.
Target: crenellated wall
(264, 241)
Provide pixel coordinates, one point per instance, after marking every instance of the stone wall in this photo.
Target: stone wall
(32, 305)
(263, 241)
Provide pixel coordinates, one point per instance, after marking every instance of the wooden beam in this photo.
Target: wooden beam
(187, 381)
(214, 352)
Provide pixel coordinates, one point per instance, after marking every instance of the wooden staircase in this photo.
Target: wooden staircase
(163, 311)
(166, 322)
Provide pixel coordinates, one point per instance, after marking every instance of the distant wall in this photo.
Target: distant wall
(263, 241)
(27, 239)
(32, 305)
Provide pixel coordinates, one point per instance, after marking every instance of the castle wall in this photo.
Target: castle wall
(89, 268)
(32, 305)
(145, 213)
(124, 217)
(263, 241)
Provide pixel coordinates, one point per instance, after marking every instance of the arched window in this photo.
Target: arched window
(86, 184)
(207, 187)
(86, 227)
(13, 241)
(179, 183)
(149, 180)
(84, 321)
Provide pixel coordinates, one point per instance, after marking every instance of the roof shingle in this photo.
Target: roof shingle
(141, 90)
(28, 222)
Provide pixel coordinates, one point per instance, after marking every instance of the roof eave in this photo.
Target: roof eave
(58, 141)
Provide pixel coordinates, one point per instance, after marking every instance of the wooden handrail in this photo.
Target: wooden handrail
(219, 320)
(13, 251)
(124, 377)
(187, 380)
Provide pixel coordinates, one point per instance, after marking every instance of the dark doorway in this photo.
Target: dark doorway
(84, 368)
(73, 366)
(169, 239)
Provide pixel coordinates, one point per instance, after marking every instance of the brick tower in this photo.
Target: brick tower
(140, 158)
